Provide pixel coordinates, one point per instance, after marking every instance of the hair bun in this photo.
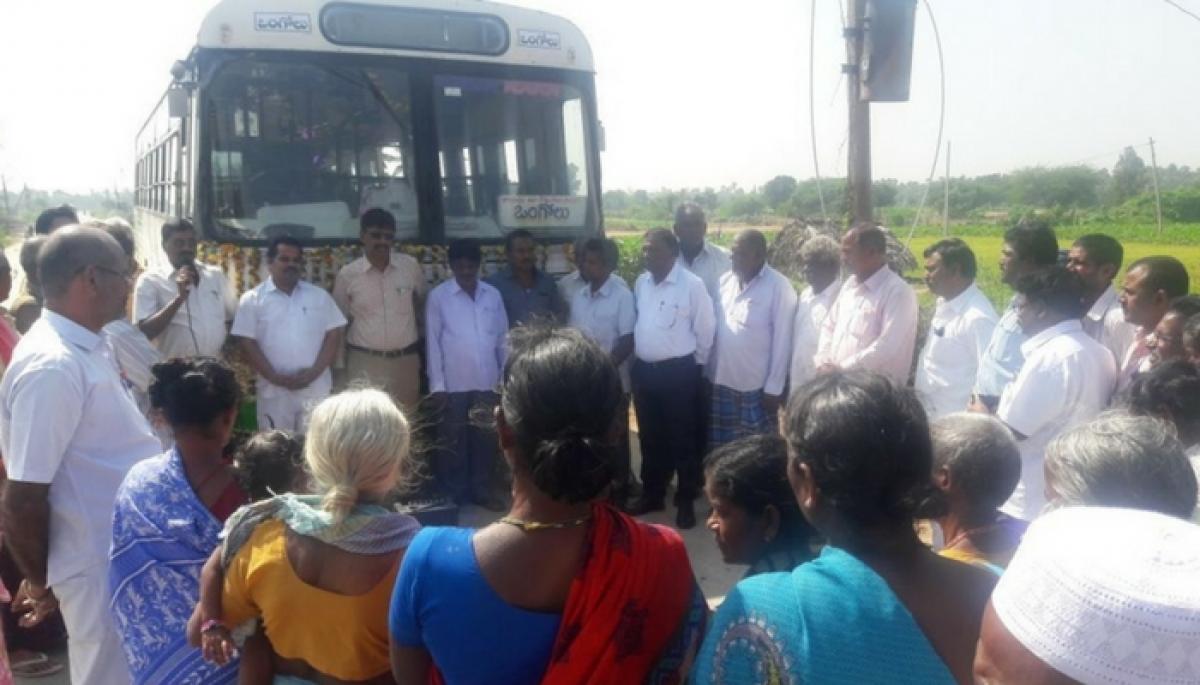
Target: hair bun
(574, 467)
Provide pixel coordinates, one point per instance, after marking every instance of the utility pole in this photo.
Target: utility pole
(946, 195)
(859, 143)
(1154, 179)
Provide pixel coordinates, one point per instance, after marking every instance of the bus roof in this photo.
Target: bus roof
(535, 38)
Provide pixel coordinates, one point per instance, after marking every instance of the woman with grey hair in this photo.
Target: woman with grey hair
(976, 466)
(1121, 460)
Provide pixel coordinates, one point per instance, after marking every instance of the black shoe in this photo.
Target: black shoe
(642, 505)
(685, 517)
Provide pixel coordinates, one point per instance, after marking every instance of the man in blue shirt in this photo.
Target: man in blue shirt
(528, 292)
(1028, 246)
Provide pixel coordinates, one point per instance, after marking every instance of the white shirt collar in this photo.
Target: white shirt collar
(672, 275)
(72, 332)
(1031, 345)
(1103, 304)
(876, 280)
(959, 302)
(270, 287)
(604, 291)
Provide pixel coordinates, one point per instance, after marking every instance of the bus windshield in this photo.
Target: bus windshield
(513, 154)
(303, 148)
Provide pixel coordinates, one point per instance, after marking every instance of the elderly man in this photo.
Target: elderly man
(289, 330)
(134, 354)
(1151, 283)
(1067, 378)
(1167, 342)
(529, 293)
(820, 261)
(873, 324)
(70, 431)
(1096, 595)
(707, 261)
(605, 311)
(183, 307)
(1028, 246)
(672, 340)
(465, 331)
(1121, 460)
(755, 318)
(962, 325)
(976, 466)
(380, 293)
(1096, 259)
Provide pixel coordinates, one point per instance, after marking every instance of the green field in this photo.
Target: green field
(1181, 241)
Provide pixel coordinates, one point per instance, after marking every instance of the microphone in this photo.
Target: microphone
(190, 265)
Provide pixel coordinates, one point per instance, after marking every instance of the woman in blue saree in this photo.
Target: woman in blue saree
(876, 606)
(169, 512)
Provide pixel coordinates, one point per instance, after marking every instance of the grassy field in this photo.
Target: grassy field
(1181, 241)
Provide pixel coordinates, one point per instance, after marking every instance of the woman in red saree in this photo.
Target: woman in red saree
(565, 588)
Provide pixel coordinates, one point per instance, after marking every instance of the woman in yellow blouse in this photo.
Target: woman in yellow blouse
(318, 571)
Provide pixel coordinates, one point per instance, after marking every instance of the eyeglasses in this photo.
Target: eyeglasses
(126, 276)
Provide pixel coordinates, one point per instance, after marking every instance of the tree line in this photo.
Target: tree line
(1065, 193)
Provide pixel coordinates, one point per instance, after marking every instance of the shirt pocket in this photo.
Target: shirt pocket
(668, 311)
(862, 323)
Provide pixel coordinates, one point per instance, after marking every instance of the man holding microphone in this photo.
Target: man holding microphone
(184, 309)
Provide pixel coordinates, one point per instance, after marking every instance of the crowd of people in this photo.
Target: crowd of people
(1004, 498)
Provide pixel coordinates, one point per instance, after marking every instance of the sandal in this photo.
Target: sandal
(37, 665)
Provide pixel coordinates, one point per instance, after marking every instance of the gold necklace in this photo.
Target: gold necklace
(532, 526)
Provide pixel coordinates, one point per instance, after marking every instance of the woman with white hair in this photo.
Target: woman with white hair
(318, 570)
(1121, 460)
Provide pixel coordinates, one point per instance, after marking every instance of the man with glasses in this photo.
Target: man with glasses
(671, 343)
(69, 432)
(381, 294)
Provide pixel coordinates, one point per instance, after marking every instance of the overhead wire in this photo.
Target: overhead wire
(937, 151)
(812, 112)
(1183, 9)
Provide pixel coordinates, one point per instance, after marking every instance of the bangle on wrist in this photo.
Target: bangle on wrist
(211, 625)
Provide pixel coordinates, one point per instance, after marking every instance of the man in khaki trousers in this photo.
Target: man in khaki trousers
(381, 294)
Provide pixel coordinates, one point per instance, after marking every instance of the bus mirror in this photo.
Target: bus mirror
(603, 136)
(177, 103)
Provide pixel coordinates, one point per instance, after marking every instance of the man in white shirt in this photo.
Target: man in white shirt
(672, 340)
(1151, 283)
(707, 261)
(821, 263)
(70, 431)
(184, 308)
(873, 325)
(959, 333)
(604, 310)
(465, 331)
(1067, 378)
(1096, 259)
(752, 350)
(132, 351)
(289, 331)
(380, 294)
(1028, 247)
(575, 281)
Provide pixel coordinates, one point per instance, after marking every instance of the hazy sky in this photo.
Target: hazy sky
(691, 92)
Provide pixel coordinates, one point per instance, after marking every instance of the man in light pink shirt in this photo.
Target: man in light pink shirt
(873, 323)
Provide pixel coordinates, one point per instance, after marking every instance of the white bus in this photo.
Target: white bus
(463, 118)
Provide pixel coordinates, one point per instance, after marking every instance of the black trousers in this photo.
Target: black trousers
(665, 395)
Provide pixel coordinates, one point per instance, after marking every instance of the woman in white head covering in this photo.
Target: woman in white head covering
(1096, 595)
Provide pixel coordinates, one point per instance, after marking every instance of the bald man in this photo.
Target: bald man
(873, 323)
(69, 432)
